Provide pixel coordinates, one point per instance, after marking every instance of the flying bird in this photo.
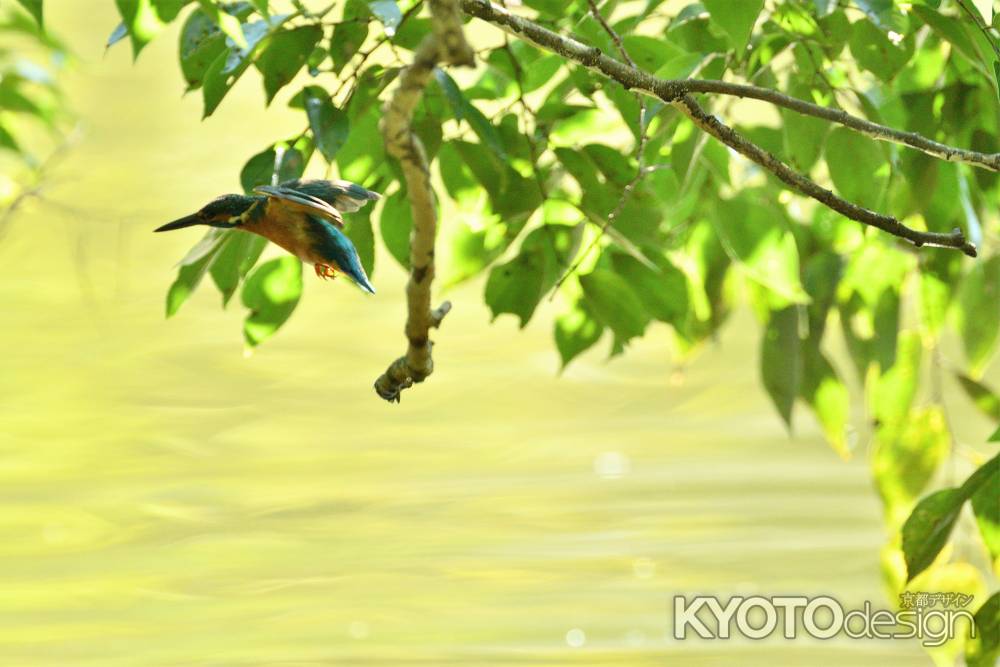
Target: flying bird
(301, 216)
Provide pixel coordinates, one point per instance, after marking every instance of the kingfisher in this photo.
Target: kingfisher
(302, 216)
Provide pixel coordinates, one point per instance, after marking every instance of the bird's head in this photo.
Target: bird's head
(225, 211)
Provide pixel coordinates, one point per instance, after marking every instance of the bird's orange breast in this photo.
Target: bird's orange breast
(285, 228)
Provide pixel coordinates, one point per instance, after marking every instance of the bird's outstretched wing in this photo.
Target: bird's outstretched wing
(344, 196)
(302, 201)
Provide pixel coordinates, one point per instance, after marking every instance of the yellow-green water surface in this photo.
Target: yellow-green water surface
(168, 501)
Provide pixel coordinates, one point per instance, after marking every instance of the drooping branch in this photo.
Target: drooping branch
(677, 92)
(446, 43)
(872, 130)
(727, 135)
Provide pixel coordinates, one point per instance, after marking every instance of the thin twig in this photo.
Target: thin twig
(640, 150)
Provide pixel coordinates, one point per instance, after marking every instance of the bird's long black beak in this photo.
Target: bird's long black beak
(180, 223)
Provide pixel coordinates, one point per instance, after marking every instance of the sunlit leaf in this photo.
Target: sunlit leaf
(986, 508)
(516, 286)
(279, 163)
(576, 331)
(906, 459)
(827, 396)
(395, 225)
(202, 42)
(982, 396)
(984, 649)
(465, 110)
(34, 7)
(803, 135)
(874, 51)
(237, 255)
(663, 290)
(615, 304)
(893, 391)
(285, 54)
(857, 167)
(927, 529)
(349, 36)
(230, 65)
(761, 241)
(977, 315)
(271, 293)
(735, 18)
(192, 269)
(781, 360)
(228, 24)
(330, 126)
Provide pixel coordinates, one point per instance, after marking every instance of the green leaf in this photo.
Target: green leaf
(826, 394)
(395, 225)
(227, 23)
(758, 238)
(330, 126)
(982, 396)
(140, 17)
(236, 256)
(663, 291)
(958, 33)
(984, 650)
(613, 301)
(34, 7)
(780, 360)
(464, 110)
(736, 19)
(192, 269)
(387, 11)
(803, 135)
(348, 37)
(986, 508)
(576, 331)
(277, 164)
(873, 50)
(202, 42)
(857, 167)
(230, 65)
(906, 459)
(358, 228)
(285, 54)
(977, 316)
(927, 529)
(939, 273)
(995, 437)
(893, 392)
(516, 287)
(271, 292)
(362, 155)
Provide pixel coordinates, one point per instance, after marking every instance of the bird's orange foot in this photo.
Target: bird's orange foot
(325, 271)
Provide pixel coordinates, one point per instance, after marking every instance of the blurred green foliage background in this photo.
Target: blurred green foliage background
(168, 499)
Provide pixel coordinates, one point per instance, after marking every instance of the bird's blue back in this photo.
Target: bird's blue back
(335, 247)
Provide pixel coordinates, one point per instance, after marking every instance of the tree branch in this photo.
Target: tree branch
(727, 135)
(446, 43)
(677, 93)
(875, 131)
